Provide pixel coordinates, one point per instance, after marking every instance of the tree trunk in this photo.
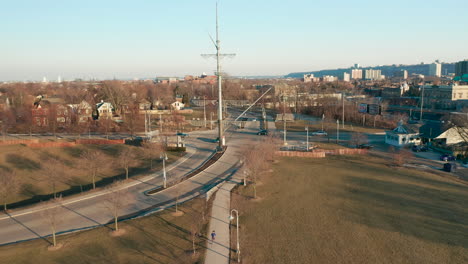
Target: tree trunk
(255, 190)
(54, 241)
(151, 164)
(193, 243)
(126, 173)
(4, 206)
(116, 223)
(94, 180)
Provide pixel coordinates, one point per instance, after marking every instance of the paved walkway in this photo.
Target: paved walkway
(218, 250)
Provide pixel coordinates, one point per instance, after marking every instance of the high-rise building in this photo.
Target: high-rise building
(346, 77)
(435, 69)
(403, 74)
(356, 74)
(461, 68)
(372, 74)
(59, 79)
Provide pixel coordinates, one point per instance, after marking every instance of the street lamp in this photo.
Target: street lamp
(337, 130)
(307, 129)
(237, 231)
(164, 158)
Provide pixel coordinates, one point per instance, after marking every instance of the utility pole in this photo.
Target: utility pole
(342, 115)
(218, 57)
(307, 145)
(204, 110)
(422, 103)
(211, 121)
(284, 121)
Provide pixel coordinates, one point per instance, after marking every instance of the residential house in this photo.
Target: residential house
(40, 115)
(144, 105)
(62, 114)
(82, 111)
(177, 105)
(104, 110)
(403, 135)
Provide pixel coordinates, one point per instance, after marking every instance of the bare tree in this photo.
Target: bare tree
(93, 161)
(127, 159)
(9, 186)
(152, 150)
(54, 171)
(255, 163)
(401, 156)
(115, 200)
(51, 214)
(358, 138)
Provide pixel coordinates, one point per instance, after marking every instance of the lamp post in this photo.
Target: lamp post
(337, 130)
(164, 158)
(307, 129)
(237, 231)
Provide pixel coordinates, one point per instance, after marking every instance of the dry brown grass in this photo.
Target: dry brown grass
(28, 164)
(350, 209)
(160, 238)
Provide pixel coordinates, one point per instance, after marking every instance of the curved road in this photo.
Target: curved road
(88, 211)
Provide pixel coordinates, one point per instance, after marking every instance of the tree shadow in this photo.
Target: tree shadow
(22, 163)
(434, 212)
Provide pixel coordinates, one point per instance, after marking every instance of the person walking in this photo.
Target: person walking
(213, 236)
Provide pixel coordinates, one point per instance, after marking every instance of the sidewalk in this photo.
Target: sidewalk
(218, 251)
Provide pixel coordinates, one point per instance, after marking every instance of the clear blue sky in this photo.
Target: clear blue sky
(127, 39)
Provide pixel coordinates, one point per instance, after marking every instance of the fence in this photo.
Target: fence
(35, 143)
(18, 141)
(321, 153)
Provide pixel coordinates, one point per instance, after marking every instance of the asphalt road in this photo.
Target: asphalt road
(88, 210)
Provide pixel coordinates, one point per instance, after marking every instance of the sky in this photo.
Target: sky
(106, 39)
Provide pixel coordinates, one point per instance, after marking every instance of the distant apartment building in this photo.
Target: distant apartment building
(461, 68)
(403, 74)
(308, 78)
(373, 74)
(452, 96)
(329, 78)
(356, 74)
(435, 69)
(346, 77)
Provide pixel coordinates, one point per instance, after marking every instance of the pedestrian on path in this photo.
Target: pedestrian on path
(213, 236)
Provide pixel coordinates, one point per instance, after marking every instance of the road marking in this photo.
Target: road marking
(102, 192)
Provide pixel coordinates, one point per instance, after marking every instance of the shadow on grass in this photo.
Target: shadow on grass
(22, 163)
(429, 213)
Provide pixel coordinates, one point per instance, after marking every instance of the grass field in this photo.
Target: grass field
(28, 164)
(299, 126)
(353, 209)
(159, 238)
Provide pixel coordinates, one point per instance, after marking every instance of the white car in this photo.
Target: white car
(319, 133)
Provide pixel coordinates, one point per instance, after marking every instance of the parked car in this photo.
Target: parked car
(447, 157)
(364, 146)
(319, 133)
(263, 132)
(182, 134)
(417, 148)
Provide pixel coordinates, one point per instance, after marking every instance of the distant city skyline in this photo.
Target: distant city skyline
(138, 39)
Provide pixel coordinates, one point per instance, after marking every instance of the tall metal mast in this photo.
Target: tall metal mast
(219, 56)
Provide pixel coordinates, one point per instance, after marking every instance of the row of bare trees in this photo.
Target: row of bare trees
(259, 159)
(93, 162)
(113, 202)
